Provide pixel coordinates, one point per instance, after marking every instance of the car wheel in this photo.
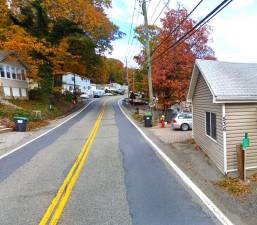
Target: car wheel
(184, 127)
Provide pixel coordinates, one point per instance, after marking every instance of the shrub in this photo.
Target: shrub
(68, 96)
(35, 94)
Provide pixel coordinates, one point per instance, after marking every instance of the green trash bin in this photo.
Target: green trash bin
(20, 123)
(148, 119)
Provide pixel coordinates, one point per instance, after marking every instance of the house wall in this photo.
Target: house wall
(82, 84)
(203, 102)
(16, 86)
(241, 118)
(13, 84)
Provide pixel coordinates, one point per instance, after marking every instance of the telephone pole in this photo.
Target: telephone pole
(127, 75)
(148, 54)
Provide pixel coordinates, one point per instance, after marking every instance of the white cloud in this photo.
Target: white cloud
(120, 50)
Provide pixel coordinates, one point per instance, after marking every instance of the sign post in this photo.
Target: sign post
(246, 145)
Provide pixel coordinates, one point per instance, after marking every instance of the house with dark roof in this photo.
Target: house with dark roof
(224, 107)
(13, 83)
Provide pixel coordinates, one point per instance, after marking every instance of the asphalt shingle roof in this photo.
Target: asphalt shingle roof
(4, 54)
(230, 81)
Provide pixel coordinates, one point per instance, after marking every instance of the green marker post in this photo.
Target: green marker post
(246, 145)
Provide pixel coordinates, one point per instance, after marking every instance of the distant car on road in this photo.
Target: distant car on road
(108, 94)
(182, 121)
(98, 93)
(84, 96)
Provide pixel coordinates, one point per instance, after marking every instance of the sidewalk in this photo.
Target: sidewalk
(12, 140)
(170, 136)
(181, 149)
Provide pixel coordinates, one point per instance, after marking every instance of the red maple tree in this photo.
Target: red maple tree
(172, 71)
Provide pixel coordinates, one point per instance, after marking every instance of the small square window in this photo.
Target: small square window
(210, 123)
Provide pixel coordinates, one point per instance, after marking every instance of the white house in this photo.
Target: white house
(13, 83)
(82, 85)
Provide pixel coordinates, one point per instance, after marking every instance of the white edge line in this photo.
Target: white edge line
(211, 206)
(41, 135)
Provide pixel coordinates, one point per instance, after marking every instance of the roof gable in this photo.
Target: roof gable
(11, 55)
(228, 82)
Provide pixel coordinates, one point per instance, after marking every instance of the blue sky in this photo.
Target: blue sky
(234, 36)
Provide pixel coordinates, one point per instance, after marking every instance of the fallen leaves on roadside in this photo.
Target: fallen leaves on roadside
(234, 186)
(254, 178)
(138, 117)
(36, 124)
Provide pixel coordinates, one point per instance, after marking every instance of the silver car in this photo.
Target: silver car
(182, 121)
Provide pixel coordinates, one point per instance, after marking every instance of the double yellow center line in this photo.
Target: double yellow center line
(54, 211)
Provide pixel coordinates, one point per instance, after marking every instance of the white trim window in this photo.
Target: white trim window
(2, 71)
(210, 125)
(18, 70)
(8, 72)
(14, 75)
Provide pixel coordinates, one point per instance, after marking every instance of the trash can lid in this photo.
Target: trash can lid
(148, 113)
(21, 118)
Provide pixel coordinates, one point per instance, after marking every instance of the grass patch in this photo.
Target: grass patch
(234, 186)
(59, 108)
(26, 109)
(138, 117)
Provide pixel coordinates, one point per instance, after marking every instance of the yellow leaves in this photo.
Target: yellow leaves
(18, 40)
(3, 13)
(82, 12)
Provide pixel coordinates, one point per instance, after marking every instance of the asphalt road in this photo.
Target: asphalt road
(123, 182)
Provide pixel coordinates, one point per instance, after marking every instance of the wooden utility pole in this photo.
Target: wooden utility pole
(148, 53)
(127, 75)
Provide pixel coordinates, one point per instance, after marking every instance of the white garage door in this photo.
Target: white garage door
(7, 91)
(23, 92)
(16, 92)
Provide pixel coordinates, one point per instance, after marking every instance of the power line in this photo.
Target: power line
(210, 15)
(155, 9)
(131, 25)
(210, 18)
(166, 5)
(178, 26)
(129, 56)
(148, 5)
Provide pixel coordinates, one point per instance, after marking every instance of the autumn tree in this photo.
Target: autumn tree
(172, 70)
(55, 37)
(116, 71)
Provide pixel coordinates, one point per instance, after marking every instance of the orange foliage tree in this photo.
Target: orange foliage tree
(63, 35)
(172, 70)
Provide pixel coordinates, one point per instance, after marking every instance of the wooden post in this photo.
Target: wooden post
(240, 161)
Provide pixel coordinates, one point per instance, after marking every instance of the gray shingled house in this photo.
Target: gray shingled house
(224, 105)
(13, 83)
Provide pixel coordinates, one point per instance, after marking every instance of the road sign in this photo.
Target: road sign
(246, 142)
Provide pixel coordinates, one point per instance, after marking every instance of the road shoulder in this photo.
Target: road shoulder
(178, 154)
(12, 140)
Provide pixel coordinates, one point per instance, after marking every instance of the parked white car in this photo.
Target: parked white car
(182, 121)
(98, 93)
(84, 96)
